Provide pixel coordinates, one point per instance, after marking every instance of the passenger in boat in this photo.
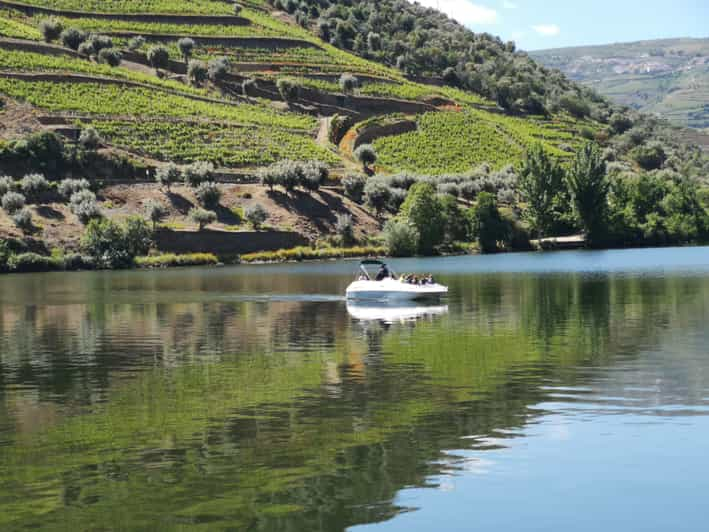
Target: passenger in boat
(429, 279)
(383, 273)
(363, 277)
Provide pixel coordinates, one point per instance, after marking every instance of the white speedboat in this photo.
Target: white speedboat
(386, 286)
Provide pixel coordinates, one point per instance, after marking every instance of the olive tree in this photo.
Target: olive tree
(348, 83)
(72, 38)
(256, 215)
(198, 172)
(167, 175)
(89, 138)
(366, 155)
(197, 72)
(50, 28)
(12, 202)
(158, 58)
(186, 46)
(155, 212)
(110, 57)
(208, 194)
(202, 217)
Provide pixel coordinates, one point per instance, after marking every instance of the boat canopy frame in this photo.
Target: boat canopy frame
(375, 262)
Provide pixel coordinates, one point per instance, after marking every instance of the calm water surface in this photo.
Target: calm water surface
(564, 391)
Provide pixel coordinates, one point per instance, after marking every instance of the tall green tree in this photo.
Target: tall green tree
(588, 187)
(541, 183)
(424, 211)
(488, 225)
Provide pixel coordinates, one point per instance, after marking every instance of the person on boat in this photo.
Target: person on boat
(383, 273)
(429, 279)
(363, 277)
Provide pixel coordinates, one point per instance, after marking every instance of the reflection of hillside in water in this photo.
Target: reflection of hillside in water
(300, 418)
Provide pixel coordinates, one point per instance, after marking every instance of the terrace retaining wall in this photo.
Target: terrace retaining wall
(225, 242)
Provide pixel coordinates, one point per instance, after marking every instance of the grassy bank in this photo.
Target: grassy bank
(306, 253)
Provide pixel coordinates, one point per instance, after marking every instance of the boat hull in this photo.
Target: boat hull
(392, 290)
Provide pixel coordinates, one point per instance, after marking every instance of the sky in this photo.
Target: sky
(539, 24)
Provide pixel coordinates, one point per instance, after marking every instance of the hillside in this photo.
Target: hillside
(116, 92)
(668, 77)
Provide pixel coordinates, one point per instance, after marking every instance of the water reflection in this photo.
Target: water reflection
(389, 313)
(167, 400)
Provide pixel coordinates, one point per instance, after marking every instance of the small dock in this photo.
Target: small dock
(560, 242)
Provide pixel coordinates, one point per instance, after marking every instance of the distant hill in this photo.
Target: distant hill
(669, 77)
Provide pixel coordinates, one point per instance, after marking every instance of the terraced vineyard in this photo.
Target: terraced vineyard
(166, 118)
(222, 145)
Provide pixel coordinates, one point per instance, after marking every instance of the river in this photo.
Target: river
(549, 391)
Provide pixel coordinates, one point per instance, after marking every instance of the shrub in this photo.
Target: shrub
(82, 195)
(198, 172)
(32, 262)
(86, 49)
(248, 86)
(197, 72)
(354, 187)
(314, 174)
(348, 83)
(50, 28)
(202, 217)
(401, 238)
(170, 259)
(649, 157)
(288, 89)
(23, 219)
(287, 174)
(256, 215)
(86, 211)
(105, 241)
(218, 69)
(186, 46)
(137, 236)
(377, 194)
(7, 184)
(450, 189)
(12, 202)
(208, 194)
(366, 155)
(158, 57)
(72, 38)
(34, 186)
(344, 228)
(89, 138)
(77, 261)
(110, 56)
(167, 175)
(136, 43)
(488, 225)
(68, 187)
(100, 42)
(155, 212)
(237, 10)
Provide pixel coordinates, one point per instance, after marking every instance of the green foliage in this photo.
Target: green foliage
(110, 57)
(256, 215)
(34, 187)
(23, 219)
(650, 156)
(114, 246)
(308, 253)
(292, 174)
(50, 28)
(72, 38)
(344, 228)
(348, 83)
(32, 262)
(588, 187)
(197, 72)
(167, 175)
(8, 184)
(89, 138)
(401, 238)
(366, 155)
(488, 225)
(158, 57)
(354, 187)
(457, 222)
(12, 202)
(208, 194)
(155, 212)
(186, 46)
(423, 210)
(218, 69)
(377, 194)
(288, 89)
(197, 173)
(198, 7)
(202, 217)
(541, 184)
(167, 260)
(83, 205)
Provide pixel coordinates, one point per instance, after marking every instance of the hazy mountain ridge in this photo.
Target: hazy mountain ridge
(668, 77)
